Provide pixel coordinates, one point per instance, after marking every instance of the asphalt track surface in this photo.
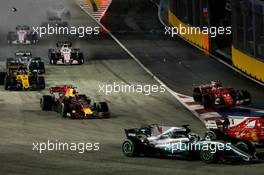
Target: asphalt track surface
(23, 123)
(177, 63)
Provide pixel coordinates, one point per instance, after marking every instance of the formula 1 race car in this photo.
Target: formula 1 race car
(54, 21)
(179, 142)
(65, 54)
(33, 64)
(18, 77)
(66, 101)
(59, 11)
(238, 130)
(22, 35)
(215, 95)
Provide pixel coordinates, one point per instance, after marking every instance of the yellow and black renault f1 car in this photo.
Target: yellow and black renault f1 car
(18, 77)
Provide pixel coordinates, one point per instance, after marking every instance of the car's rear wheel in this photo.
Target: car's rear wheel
(64, 109)
(2, 78)
(102, 107)
(80, 58)
(7, 82)
(41, 83)
(46, 102)
(197, 95)
(129, 148)
(207, 101)
(8, 62)
(52, 61)
(208, 156)
(244, 96)
(213, 135)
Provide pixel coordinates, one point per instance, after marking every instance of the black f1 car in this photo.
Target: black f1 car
(179, 142)
(54, 22)
(215, 95)
(33, 64)
(65, 54)
(66, 101)
(22, 35)
(59, 11)
(18, 77)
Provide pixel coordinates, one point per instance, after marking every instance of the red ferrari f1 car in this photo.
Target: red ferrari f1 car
(215, 95)
(238, 130)
(66, 101)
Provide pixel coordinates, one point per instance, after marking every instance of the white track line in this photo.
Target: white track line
(183, 99)
(173, 93)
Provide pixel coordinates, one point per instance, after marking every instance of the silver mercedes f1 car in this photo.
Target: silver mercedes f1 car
(180, 142)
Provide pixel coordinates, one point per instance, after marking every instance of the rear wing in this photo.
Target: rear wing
(58, 89)
(15, 66)
(23, 53)
(23, 27)
(138, 132)
(60, 44)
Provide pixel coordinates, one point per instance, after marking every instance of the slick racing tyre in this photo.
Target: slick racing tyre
(246, 146)
(207, 101)
(53, 61)
(197, 95)
(41, 83)
(80, 58)
(64, 109)
(130, 148)
(102, 107)
(244, 96)
(213, 134)
(8, 62)
(208, 156)
(7, 82)
(2, 78)
(46, 103)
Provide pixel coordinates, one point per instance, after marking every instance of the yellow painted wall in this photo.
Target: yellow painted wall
(250, 65)
(200, 40)
(247, 64)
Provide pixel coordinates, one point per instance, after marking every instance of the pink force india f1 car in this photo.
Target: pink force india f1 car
(65, 54)
(22, 35)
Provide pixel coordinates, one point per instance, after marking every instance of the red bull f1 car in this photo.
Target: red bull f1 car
(215, 95)
(22, 35)
(66, 101)
(179, 142)
(65, 54)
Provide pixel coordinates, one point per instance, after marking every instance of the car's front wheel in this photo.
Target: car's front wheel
(246, 146)
(64, 109)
